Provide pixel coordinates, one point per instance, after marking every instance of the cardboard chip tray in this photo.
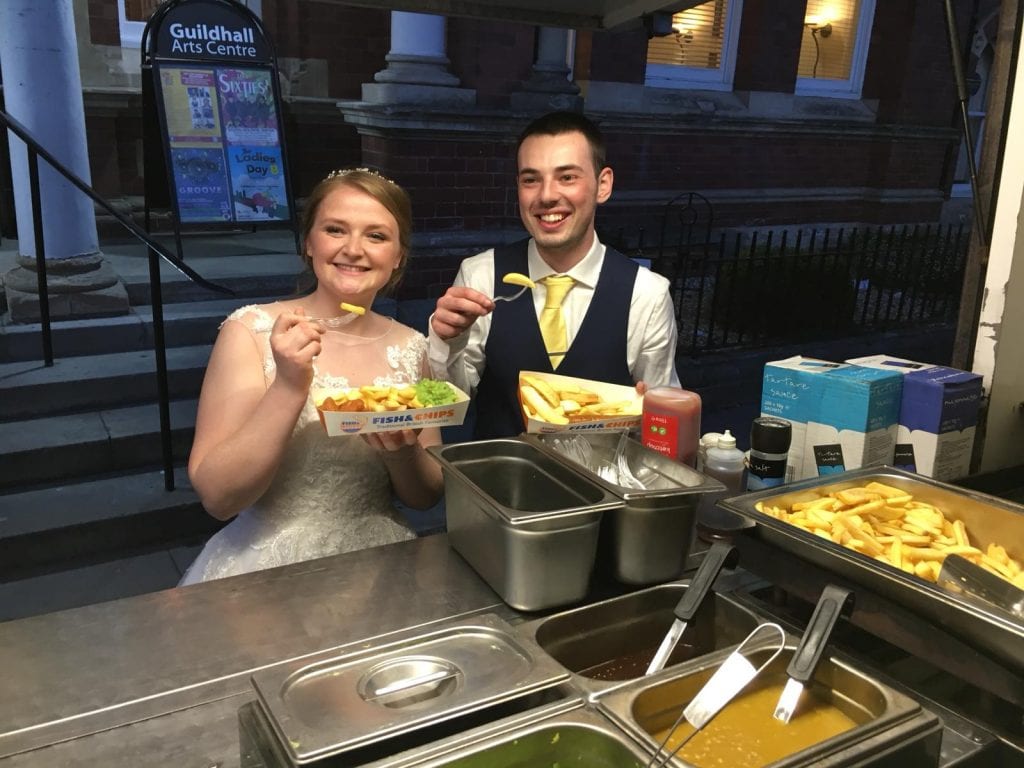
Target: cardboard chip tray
(342, 423)
(609, 393)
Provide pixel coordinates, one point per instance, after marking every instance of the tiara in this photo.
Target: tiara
(343, 172)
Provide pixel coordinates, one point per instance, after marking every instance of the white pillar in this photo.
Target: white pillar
(43, 91)
(552, 65)
(417, 70)
(549, 86)
(417, 54)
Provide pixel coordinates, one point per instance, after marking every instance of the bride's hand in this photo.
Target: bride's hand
(391, 444)
(295, 342)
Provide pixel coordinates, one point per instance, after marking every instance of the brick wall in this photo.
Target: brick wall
(491, 57)
(455, 185)
(769, 45)
(908, 67)
(619, 56)
(706, 158)
(463, 181)
(103, 25)
(353, 41)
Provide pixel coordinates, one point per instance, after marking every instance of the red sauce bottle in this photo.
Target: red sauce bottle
(671, 423)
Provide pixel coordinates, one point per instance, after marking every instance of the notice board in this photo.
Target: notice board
(216, 110)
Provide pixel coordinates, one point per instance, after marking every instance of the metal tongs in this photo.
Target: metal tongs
(973, 583)
(722, 687)
(833, 603)
(719, 555)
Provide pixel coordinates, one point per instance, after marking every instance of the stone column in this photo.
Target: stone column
(43, 91)
(549, 86)
(417, 70)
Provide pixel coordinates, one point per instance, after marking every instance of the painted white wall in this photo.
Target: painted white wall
(999, 344)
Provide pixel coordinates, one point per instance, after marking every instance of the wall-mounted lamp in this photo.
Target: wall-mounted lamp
(683, 34)
(818, 26)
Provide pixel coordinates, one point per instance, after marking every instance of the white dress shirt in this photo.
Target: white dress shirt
(650, 337)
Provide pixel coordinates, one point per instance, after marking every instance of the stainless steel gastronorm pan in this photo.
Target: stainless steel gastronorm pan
(340, 703)
(579, 737)
(988, 519)
(527, 523)
(890, 728)
(652, 532)
(610, 643)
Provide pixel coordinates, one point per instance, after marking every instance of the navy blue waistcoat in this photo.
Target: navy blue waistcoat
(515, 344)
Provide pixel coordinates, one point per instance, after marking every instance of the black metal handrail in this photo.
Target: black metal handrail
(154, 249)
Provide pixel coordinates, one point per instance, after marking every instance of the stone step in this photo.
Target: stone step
(185, 324)
(65, 447)
(184, 290)
(96, 382)
(74, 524)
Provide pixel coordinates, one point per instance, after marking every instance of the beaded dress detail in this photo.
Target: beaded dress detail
(330, 494)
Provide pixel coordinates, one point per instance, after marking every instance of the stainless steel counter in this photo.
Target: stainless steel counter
(158, 679)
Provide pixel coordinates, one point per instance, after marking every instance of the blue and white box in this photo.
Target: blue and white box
(792, 389)
(938, 417)
(855, 422)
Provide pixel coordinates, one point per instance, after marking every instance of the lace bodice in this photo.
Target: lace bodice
(330, 494)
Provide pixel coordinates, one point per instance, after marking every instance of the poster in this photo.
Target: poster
(190, 105)
(201, 184)
(257, 182)
(247, 106)
(224, 144)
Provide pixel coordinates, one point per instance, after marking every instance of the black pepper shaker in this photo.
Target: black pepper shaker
(770, 438)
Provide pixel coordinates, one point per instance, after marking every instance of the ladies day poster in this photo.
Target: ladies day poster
(224, 145)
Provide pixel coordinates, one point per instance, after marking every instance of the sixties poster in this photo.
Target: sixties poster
(247, 106)
(225, 151)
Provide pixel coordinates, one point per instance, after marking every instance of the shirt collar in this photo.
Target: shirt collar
(585, 272)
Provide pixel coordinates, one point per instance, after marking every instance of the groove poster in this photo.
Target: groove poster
(225, 147)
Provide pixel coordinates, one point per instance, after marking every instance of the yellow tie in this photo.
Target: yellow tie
(552, 322)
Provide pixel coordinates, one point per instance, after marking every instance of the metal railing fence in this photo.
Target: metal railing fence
(155, 252)
(764, 287)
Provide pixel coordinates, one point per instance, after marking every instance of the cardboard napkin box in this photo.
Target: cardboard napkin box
(609, 393)
(341, 423)
(938, 416)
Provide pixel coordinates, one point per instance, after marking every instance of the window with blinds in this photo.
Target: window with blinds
(696, 40)
(834, 47)
(700, 52)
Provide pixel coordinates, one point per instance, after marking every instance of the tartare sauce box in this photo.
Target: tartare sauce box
(609, 393)
(938, 416)
(792, 389)
(856, 421)
(342, 423)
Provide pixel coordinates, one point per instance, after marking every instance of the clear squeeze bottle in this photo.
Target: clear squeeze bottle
(726, 463)
(671, 422)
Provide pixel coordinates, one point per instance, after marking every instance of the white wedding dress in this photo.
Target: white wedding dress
(330, 494)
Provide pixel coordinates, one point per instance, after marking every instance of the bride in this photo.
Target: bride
(260, 454)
